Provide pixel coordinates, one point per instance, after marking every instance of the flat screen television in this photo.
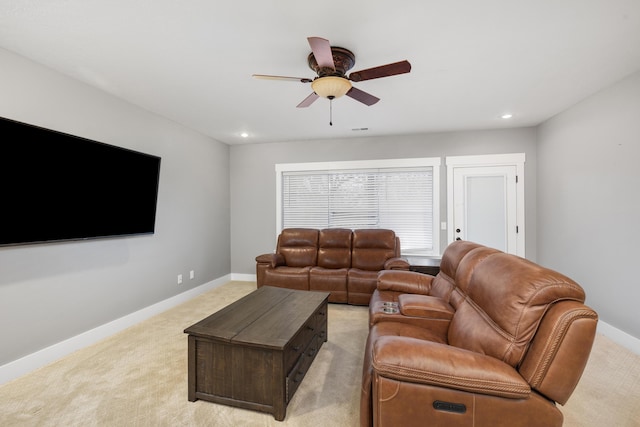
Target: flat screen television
(57, 187)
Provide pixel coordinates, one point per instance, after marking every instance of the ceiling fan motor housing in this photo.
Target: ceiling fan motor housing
(343, 60)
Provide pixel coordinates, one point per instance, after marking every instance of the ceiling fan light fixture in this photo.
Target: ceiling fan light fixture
(331, 87)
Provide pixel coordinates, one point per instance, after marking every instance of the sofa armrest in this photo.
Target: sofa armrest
(396, 264)
(408, 282)
(273, 260)
(441, 365)
(425, 306)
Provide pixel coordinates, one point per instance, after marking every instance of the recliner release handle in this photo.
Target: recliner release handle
(458, 408)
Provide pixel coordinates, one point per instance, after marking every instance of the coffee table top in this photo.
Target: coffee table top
(267, 317)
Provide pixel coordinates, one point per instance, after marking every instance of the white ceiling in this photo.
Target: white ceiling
(192, 60)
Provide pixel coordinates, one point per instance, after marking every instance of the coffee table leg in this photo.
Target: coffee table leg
(192, 369)
(279, 415)
(279, 387)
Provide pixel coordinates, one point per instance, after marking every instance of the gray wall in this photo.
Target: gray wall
(51, 292)
(253, 192)
(588, 199)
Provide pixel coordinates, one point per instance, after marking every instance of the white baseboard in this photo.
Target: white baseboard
(619, 337)
(56, 351)
(243, 277)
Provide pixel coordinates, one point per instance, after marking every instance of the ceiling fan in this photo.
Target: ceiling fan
(330, 64)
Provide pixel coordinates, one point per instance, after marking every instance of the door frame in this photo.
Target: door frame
(490, 160)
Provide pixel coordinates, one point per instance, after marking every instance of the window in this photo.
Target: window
(401, 195)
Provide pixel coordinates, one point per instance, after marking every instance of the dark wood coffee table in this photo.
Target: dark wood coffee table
(254, 353)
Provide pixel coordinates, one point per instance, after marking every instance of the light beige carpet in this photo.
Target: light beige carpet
(139, 378)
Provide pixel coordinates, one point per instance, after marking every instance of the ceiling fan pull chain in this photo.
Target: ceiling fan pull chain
(331, 111)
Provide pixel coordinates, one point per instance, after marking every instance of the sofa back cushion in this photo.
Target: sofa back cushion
(334, 248)
(372, 247)
(299, 246)
(444, 282)
(502, 301)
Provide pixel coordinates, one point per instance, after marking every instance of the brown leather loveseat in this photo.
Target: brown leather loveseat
(492, 340)
(336, 260)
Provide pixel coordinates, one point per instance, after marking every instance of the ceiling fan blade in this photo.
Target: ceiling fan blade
(308, 100)
(321, 49)
(267, 77)
(362, 96)
(381, 71)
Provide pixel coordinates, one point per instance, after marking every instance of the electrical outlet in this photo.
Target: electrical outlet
(179, 279)
(192, 274)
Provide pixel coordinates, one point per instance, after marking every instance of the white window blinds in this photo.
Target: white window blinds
(397, 198)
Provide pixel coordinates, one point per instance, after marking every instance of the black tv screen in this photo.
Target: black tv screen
(55, 187)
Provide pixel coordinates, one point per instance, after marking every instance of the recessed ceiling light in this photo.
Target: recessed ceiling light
(244, 135)
(507, 116)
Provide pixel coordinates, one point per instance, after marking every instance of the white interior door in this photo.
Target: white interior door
(484, 205)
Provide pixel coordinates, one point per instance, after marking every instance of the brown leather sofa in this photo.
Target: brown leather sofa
(340, 261)
(492, 340)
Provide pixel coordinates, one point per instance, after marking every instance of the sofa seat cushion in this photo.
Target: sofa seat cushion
(361, 285)
(333, 280)
(288, 277)
(425, 306)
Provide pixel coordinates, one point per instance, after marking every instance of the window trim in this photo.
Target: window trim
(434, 162)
